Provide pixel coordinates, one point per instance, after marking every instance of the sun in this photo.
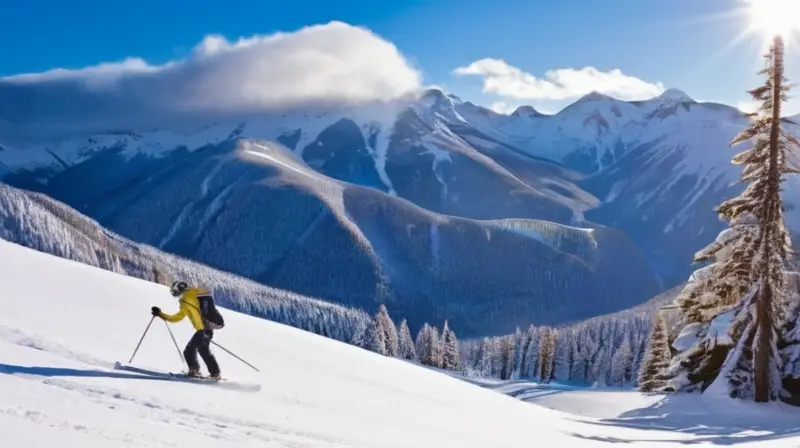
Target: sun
(774, 17)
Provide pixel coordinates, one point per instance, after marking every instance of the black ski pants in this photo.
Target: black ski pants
(199, 343)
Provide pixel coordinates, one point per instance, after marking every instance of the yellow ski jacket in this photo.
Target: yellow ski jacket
(189, 306)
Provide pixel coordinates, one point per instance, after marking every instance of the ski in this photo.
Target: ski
(225, 383)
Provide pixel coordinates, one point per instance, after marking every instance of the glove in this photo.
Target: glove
(155, 311)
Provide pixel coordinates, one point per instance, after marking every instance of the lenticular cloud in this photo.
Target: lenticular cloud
(334, 62)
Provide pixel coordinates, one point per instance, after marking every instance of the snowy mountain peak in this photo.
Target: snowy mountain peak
(673, 95)
(594, 96)
(526, 111)
(434, 97)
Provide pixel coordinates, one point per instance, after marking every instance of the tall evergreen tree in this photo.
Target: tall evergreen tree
(485, 356)
(753, 369)
(386, 326)
(622, 364)
(405, 345)
(749, 259)
(652, 374)
(429, 348)
(374, 339)
(451, 357)
(519, 341)
(565, 353)
(547, 350)
(507, 357)
(531, 365)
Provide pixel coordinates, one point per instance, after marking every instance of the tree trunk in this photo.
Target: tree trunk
(763, 354)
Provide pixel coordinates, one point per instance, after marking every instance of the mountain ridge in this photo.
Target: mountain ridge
(653, 169)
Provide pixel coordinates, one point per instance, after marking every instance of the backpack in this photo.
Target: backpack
(212, 319)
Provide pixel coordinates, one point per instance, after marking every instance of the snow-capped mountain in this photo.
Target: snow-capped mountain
(440, 207)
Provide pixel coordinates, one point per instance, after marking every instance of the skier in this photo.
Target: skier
(198, 305)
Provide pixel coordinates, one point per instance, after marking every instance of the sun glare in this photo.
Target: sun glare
(774, 17)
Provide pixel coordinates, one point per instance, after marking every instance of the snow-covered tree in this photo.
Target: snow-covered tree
(507, 356)
(752, 369)
(531, 358)
(621, 373)
(483, 366)
(374, 339)
(519, 342)
(386, 326)
(451, 358)
(565, 353)
(652, 374)
(547, 350)
(429, 348)
(405, 345)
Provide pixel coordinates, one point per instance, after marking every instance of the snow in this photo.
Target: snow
(720, 326)
(688, 337)
(62, 330)
(694, 419)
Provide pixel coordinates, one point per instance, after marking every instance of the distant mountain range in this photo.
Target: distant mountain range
(437, 207)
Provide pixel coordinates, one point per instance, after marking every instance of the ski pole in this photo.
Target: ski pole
(180, 355)
(142, 339)
(234, 355)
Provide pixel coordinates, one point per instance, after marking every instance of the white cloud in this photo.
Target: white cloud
(334, 62)
(502, 107)
(507, 81)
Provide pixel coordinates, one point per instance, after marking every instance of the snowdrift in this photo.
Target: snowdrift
(65, 324)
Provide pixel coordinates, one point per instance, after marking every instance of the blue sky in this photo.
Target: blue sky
(657, 42)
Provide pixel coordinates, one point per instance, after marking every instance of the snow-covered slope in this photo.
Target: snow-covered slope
(706, 420)
(65, 324)
(41, 223)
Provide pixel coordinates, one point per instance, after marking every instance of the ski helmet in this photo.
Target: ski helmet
(178, 288)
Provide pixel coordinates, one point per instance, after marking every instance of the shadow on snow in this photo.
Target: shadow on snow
(727, 423)
(11, 369)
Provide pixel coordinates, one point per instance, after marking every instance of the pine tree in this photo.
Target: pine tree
(565, 353)
(652, 374)
(386, 325)
(374, 338)
(405, 345)
(622, 364)
(451, 358)
(531, 365)
(429, 348)
(547, 349)
(601, 366)
(485, 356)
(423, 344)
(507, 357)
(753, 369)
(747, 276)
(518, 353)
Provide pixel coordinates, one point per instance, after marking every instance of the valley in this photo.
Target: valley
(438, 208)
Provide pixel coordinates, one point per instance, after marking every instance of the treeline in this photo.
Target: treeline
(599, 352)
(430, 347)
